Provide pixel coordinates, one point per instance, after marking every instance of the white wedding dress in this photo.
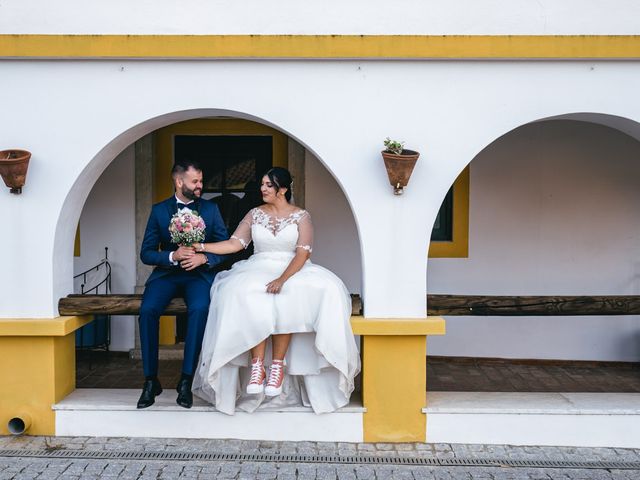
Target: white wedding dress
(314, 305)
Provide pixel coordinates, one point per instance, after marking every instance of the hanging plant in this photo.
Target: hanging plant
(399, 163)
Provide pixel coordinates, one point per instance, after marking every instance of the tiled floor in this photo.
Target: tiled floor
(116, 370)
(497, 375)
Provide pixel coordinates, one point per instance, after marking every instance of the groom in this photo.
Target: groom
(179, 271)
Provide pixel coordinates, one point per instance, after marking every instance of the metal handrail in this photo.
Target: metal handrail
(106, 281)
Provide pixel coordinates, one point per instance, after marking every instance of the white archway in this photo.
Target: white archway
(78, 194)
(585, 247)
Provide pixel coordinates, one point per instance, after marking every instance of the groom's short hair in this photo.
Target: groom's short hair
(183, 165)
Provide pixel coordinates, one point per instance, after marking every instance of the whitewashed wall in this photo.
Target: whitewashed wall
(403, 17)
(89, 111)
(554, 210)
(108, 220)
(336, 243)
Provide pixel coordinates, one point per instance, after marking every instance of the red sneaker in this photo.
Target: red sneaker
(256, 382)
(276, 377)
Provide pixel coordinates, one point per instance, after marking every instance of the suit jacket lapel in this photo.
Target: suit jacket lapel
(171, 205)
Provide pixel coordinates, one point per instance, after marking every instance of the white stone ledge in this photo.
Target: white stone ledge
(112, 413)
(529, 403)
(113, 399)
(569, 419)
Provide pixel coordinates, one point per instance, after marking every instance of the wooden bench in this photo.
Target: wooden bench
(437, 305)
(484, 305)
(130, 305)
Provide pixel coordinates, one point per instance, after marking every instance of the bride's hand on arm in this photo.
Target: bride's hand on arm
(232, 245)
(302, 255)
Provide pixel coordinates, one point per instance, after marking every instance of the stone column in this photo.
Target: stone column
(145, 153)
(144, 166)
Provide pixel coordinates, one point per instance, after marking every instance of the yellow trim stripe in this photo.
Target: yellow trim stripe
(321, 46)
(41, 327)
(397, 326)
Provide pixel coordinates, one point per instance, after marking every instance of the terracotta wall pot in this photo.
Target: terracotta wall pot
(13, 168)
(399, 168)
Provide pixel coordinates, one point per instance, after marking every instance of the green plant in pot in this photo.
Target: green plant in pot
(399, 163)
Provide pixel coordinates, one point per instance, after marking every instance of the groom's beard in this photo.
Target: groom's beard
(191, 194)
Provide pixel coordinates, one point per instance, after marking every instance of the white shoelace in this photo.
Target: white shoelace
(275, 374)
(257, 372)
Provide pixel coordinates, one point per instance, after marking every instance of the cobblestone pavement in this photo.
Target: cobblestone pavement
(67, 469)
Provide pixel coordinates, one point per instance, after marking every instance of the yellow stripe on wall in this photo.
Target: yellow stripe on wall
(322, 46)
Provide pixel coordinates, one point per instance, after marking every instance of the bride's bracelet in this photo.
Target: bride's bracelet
(201, 247)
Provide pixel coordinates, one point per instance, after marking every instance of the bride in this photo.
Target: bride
(276, 310)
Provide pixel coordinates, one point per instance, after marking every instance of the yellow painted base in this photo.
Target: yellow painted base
(394, 370)
(37, 369)
(394, 388)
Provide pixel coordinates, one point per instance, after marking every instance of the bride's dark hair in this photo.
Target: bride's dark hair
(281, 178)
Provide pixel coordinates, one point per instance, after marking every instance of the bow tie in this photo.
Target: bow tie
(190, 206)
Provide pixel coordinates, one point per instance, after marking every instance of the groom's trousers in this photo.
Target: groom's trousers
(157, 295)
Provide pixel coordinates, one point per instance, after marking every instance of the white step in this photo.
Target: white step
(571, 419)
(112, 413)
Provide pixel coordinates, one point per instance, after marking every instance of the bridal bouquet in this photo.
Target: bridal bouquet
(187, 227)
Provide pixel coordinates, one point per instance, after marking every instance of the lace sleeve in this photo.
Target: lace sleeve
(305, 232)
(243, 232)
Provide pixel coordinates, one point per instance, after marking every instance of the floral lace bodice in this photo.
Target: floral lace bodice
(274, 234)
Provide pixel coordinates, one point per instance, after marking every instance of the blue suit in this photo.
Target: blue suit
(168, 281)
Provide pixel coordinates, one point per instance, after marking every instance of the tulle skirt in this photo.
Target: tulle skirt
(314, 305)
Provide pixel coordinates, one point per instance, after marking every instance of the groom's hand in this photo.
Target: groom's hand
(194, 261)
(183, 253)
